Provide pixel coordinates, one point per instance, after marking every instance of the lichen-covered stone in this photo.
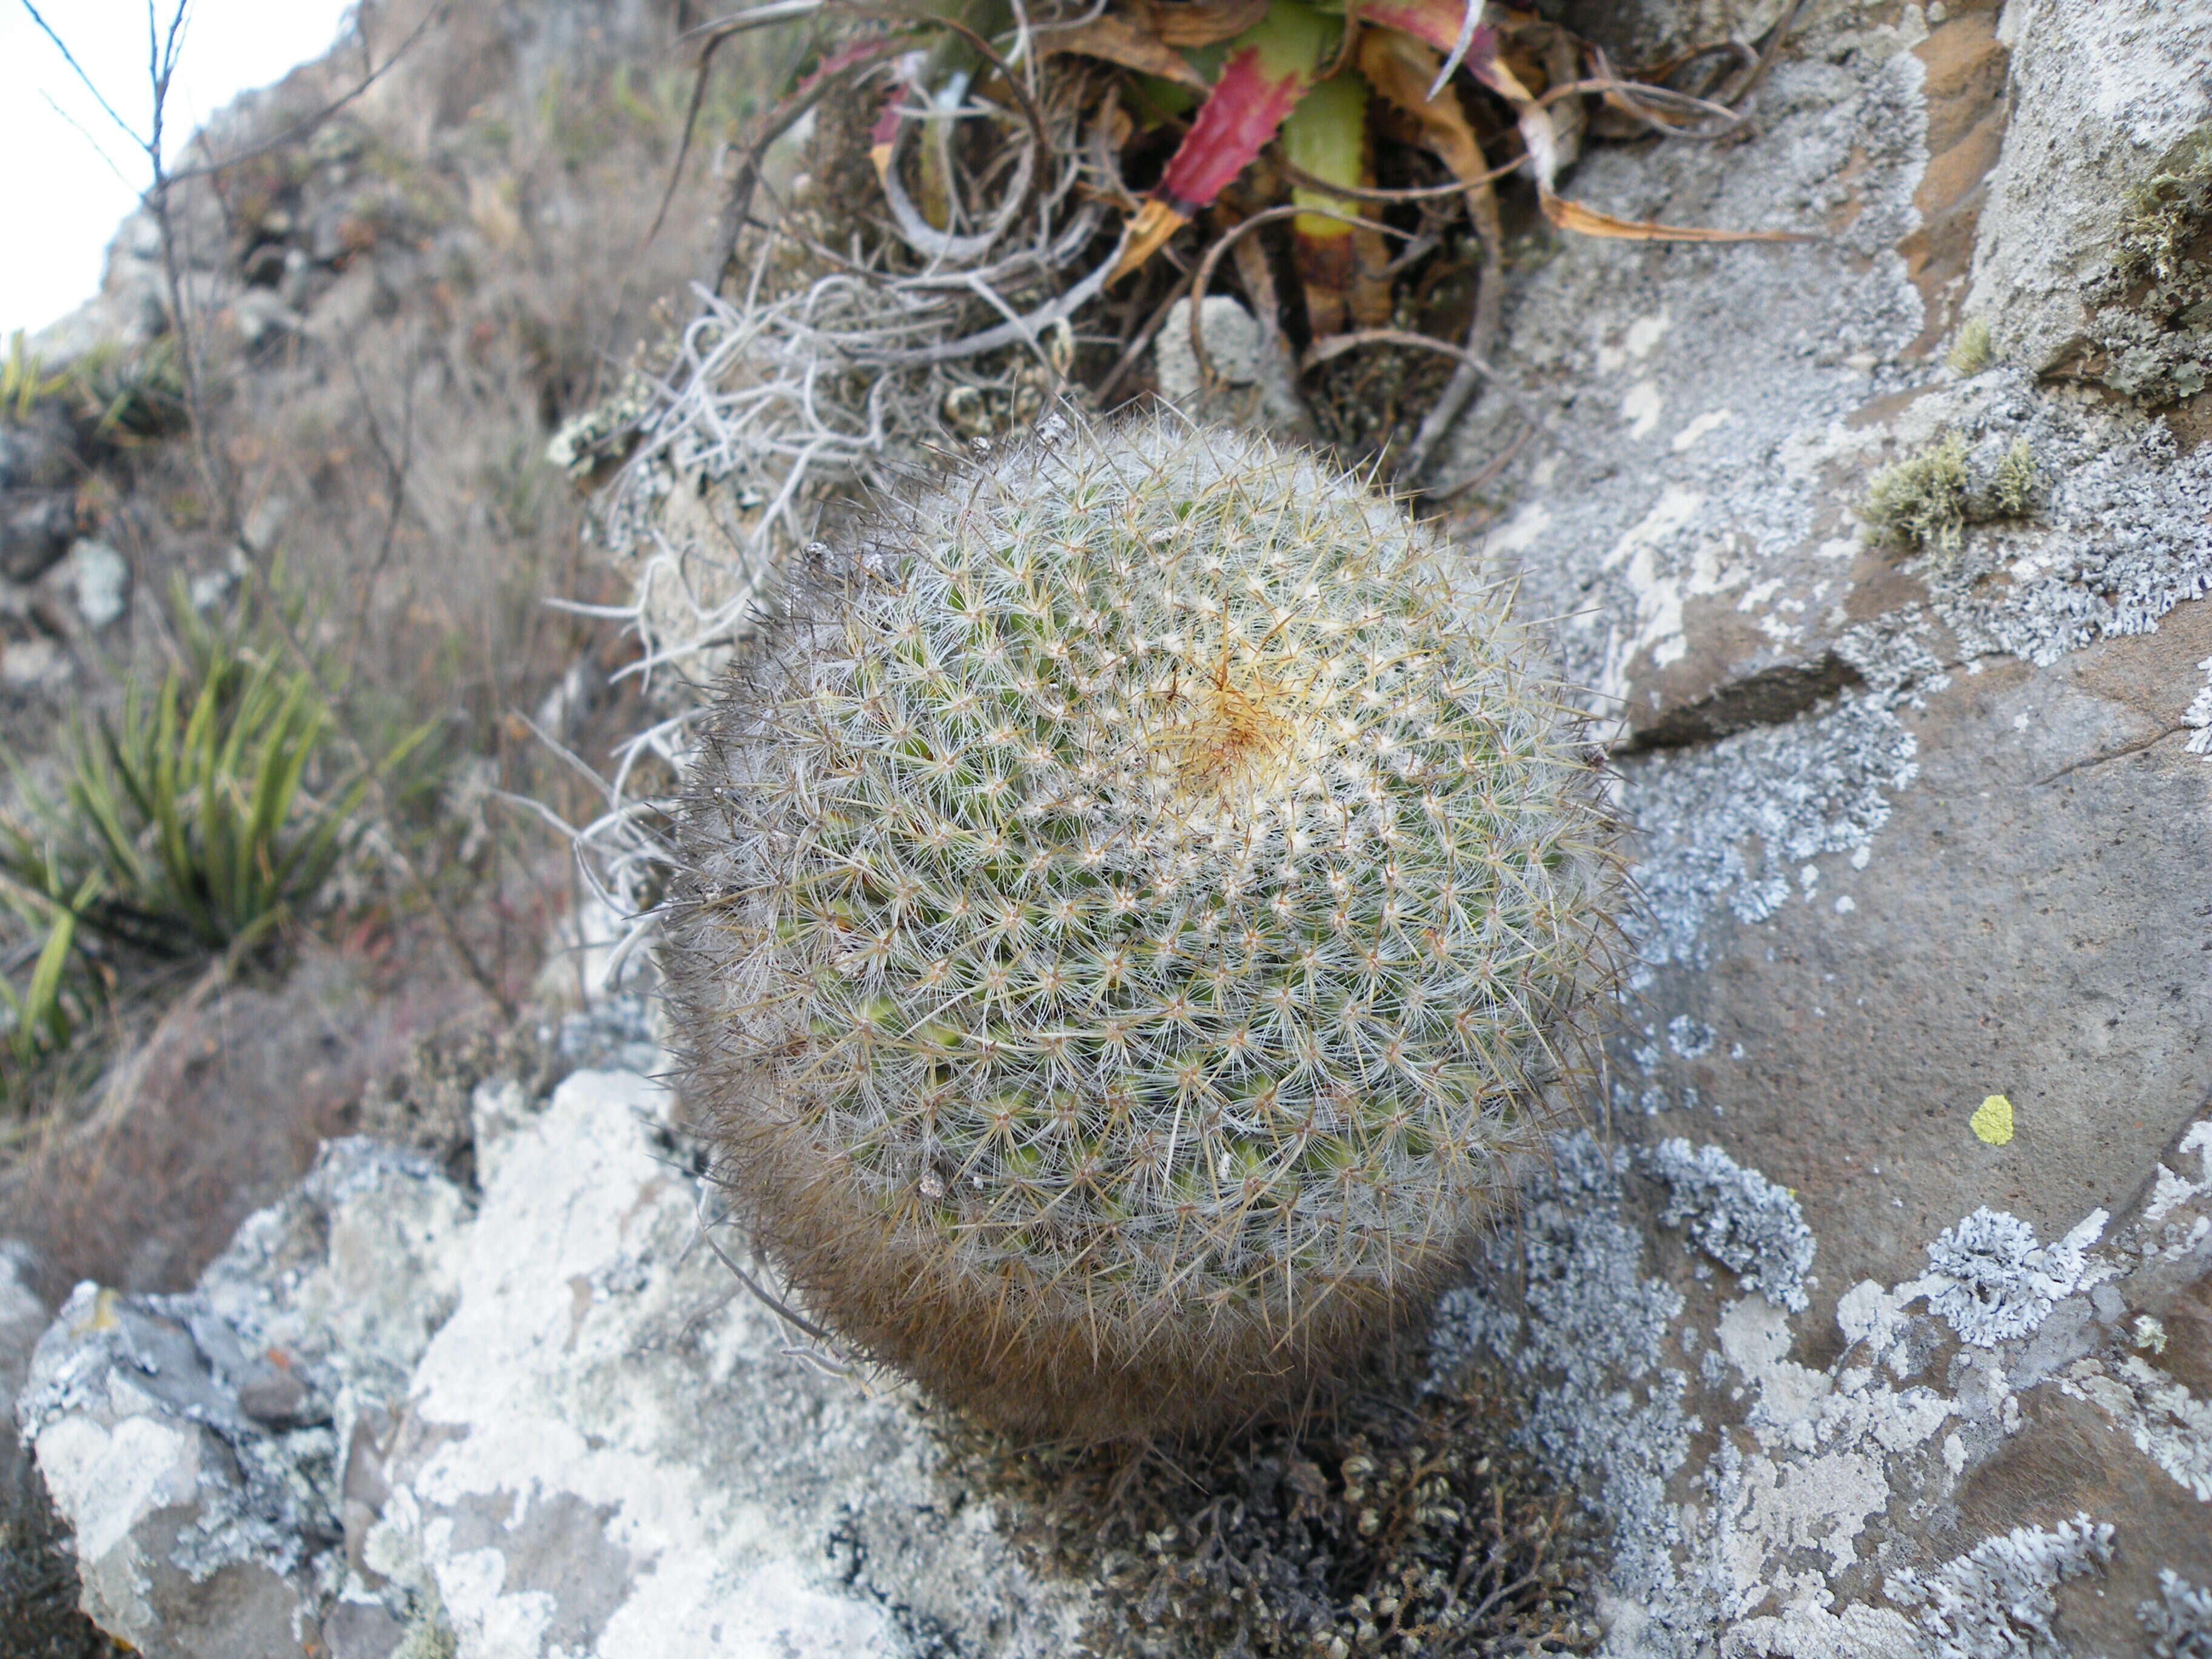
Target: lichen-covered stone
(2102, 98)
(1736, 1216)
(1998, 1457)
(406, 1419)
(1918, 824)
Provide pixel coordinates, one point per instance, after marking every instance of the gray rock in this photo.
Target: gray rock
(1249, 377)
(23, 1317)
(192, 1442)
(543, 1423)
(39, 1587)
(38, 448)
(36, 528)
(38, 468)
(101, 580)
(2099, 95)
(262, 317)
(1916, 827)
(2003, 1453)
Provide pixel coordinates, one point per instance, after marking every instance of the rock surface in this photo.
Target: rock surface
(1919, 823)
(537, 1421)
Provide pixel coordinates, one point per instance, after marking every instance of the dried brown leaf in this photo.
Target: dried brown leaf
(1122, 41)
(1589, 222)
(1201, 23)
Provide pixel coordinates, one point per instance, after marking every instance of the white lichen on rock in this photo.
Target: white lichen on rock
(2197, 717)
(2174, 1190)
(538, 1420)
(2179, 1623)
(175, 1446)
(1991, 1280)
(2168, 1423)
(1692, 1039)
(1819, 1472)
(1727, 823)
(1736, 1216)
(1996, 1602)
(1588, 1335)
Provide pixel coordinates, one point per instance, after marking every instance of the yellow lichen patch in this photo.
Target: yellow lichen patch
(103, 1314)
(1992, 1120)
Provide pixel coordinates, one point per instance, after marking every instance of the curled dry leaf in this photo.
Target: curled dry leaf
(1438, 23)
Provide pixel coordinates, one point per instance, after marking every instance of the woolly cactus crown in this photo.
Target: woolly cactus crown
(1128, 918)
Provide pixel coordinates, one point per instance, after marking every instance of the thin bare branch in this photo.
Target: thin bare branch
(78, 69)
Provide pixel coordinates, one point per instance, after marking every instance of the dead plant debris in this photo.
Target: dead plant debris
(1111, 152)
(1404, 1521)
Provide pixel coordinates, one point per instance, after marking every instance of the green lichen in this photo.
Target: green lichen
(1920, 503)
(1923, 503)
(1969, 353)
(429, 1634)
(2161, 237)
(2151, 336)
(2018, 480)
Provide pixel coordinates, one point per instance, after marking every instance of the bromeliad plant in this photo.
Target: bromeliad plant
(194, 819)
(1308, 73)
(1246, 113)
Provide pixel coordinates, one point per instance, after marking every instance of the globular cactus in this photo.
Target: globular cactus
(1131, 912)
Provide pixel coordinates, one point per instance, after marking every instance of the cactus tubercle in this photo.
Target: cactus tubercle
(1131, 915)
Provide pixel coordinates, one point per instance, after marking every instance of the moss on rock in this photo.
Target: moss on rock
(2151, 337)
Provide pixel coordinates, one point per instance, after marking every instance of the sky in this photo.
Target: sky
(61, 194)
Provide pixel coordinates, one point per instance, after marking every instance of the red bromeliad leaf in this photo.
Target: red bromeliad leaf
(1439, 23)
(1270, 68)
(883, 131)
(1233, 126)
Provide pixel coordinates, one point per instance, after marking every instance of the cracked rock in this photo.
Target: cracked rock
(528, 1423)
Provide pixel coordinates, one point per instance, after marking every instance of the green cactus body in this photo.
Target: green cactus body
(1129, 917)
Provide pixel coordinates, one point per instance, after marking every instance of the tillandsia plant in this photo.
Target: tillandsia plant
(1133, 909)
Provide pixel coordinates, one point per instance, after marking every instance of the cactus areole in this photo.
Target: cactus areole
(1131, 909)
